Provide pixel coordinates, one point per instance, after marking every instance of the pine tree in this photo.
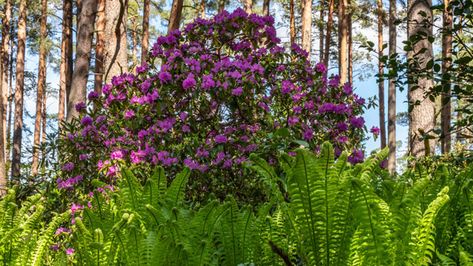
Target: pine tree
(382, 115)
(116, 49)
(328, 34)
(176, 14)
(446, 113)
(306, 25)
(145, 37)
(392, 91)
(65, 68)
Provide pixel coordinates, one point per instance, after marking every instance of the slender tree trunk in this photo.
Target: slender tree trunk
(134, 40)
(201, 11)
(65, 75)
(99, 46)
(266, 5)
(116, 51)
(4, 65)
(84, 46)
(382, 115)
(321, 30)
(306, 25)
(41, 87)
(221, 5)
(145, 37)
(248, 6)
(20, 81)
(10, 106)
(422, 116)
(292, 22)
(44, 117)
(342, 41)
(328, 35)
(446, 115)
(392, 91)
(350, 44)
(175, 15)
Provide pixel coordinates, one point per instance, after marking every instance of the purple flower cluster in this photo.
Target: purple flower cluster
(208, 97)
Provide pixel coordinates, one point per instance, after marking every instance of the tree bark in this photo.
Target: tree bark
(248, 6)
(382, 115)
(221, 5)
(4, 65)
(116, 53)
(422, 115)
(145, 37)
(321, 30)
(99, 46)
(41, 86)
(342, 41)
(306, 25)
(84, 46)
(266, 5)
(65, 68)
(392, 91)
(292, 22)
(446, 114)
(20, 81)
(350, 43)
(175, 15)
(328, 34)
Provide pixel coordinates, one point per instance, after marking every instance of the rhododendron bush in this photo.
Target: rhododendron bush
(208, 97)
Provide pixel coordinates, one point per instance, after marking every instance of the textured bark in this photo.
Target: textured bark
(292, 22)
(328, 34)
(350, 44)
(382, 115)
(175, 15)
(221, 5)
(20, 81)
(422, 115)
(65, 68)
(99, 46)
(4, 65)
(306, 25)
(392, 91)
(446, 114)
(202, 9)
(145, 37)
(342, 41)
(266, 5)
(41, 87)
(248, 6)
(116, 54)
(321, 30)
(84, 47)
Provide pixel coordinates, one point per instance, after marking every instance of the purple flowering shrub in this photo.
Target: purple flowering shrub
(207, 98)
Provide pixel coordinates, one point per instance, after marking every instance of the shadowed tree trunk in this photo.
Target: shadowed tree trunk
(248, 6)
(176, 13)
(350, 42)
(306, 25)
(4, 65)
(382, 115)
(446, 115)
(116, 53)
(292, 22)
(84, 46)
(65, 68)
(145, 39)
(328, 34)
(99, 46)
(321, 30)
(266, 4)
(342, 41)
(41, 86)
(422, 114)
(392, 91)
(221, 5)
(20, 82)
(134, 40)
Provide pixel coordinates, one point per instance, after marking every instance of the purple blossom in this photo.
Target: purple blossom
(86, 120)
(321, 68)
(70, 251)
(286, 86)
(357, 156)
(375, 131)
(75, 208)
(129, 114)
(165, 76)
(357, 122)
(67, 167)
(92, 95)
(80, 106)
(189, 82)
(308, 134)
(219, 139)
(117, 155)
(237, 91)
(293, 120)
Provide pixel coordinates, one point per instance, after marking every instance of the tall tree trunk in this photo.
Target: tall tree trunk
(350, 43)
(201, 12)
(20, 81)
(306, 25)
(382, 115)
(175, 15)
(99, 46)
(248, 6)
(4, 65)
(65, 68)
(145, 37)
(84, 46)
(446, 115)
(292, 22)
(422, 115)
(116, 53)
(392, 91)
(41, 86)
(44, 116)
(342, 41)
(221, 5)
(10, 105)
(266, 4)
(321, 30)
(328, 35)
